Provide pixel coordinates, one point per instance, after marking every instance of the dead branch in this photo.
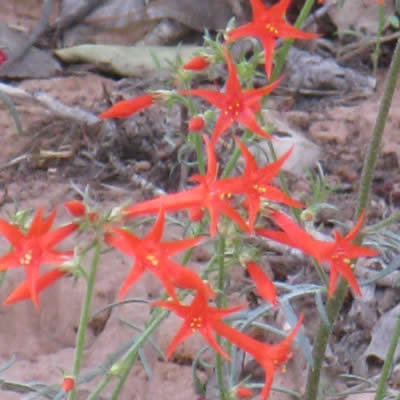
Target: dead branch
(52, 104)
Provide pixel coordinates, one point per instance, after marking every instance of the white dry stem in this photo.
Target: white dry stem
(52, 104)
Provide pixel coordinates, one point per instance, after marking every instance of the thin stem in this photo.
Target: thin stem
(84, 320)
(305, 11)
(235, 156)
(383, 380)
(199, 151)
(335, 303)
(220, 303)
(374, 146)
(332, 310)
(381, 24)
(125, 364)
(100, 387)
(384, 223)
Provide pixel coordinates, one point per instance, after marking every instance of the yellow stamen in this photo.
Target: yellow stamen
(26, 258)
(152, 259)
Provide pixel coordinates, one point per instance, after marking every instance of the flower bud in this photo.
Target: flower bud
(196, 124)
(125, 108)
(68, 383)
(197, 64)
(243, 392)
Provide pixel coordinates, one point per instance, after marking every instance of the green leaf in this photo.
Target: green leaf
(13, 111)
(394, 21)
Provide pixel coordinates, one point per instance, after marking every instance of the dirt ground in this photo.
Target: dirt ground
(79, 155)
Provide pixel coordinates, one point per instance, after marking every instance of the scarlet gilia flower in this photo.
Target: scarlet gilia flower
(23, 292)
(255, 183)
(265, 287)
(34, 248)
(197, 64)
(152, 254)
(68, 383)
(3, 57)
(125, 108)
(210, 193)
(338, 254)
(267, 25)
(196, 124)
(199, 316)
(234, 104)
(270, 357)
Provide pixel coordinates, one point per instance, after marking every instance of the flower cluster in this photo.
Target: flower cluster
(212, 197)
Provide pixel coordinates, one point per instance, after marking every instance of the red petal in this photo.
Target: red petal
(52, 238)
(22, 291)
(264, 285)
(11, 233)
(135, 273)
(217, 99)
(233, 88)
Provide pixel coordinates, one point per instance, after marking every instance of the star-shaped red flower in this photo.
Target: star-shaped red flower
(270, 357)
(152, 254)
(338, 253)
(235, 104)
(267, 25)
(199, 316)
(255, 183)
(210, 193)
(34, 248)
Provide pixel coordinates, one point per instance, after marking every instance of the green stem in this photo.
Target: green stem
(220, 303)
(235, 156)
(374, 146)
(384, 223)
(383, 380)
(335, 303)
(198, 144)
(381, 25)
(84, 320)
(305, 11)
(100, 387)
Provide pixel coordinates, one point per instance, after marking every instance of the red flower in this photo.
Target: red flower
(22, 291)
(199, 316)
(34, 248)
(235, 104)
(264, 285)
(196, 124)
(197, 64)
(269, 24)
(210, 193)
(270, 357)
(152, 254)
(125, 108)
(3, 57)
(255, 183)
(68, 384)
(338, 254)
